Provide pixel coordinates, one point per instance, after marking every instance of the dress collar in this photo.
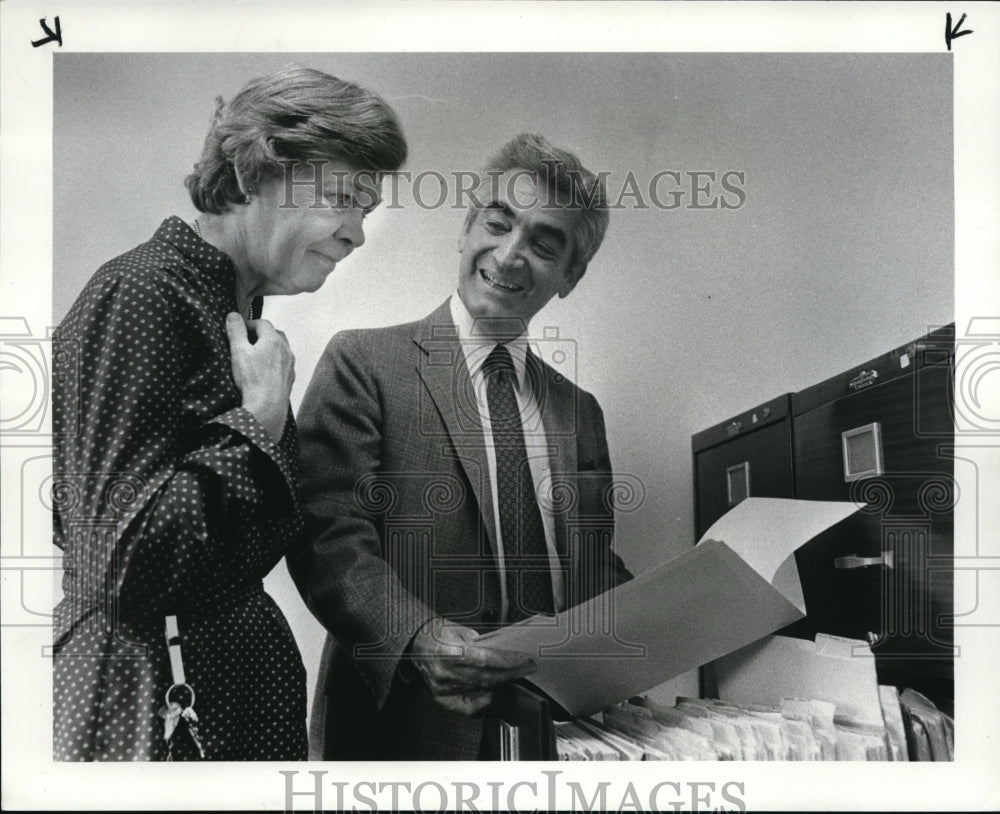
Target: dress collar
(180, 236)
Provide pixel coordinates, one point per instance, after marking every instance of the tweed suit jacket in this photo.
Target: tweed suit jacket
(400, 526)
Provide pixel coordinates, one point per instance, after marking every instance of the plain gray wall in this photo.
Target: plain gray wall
(842, 250)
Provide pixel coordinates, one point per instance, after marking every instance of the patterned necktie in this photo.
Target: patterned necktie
(526, 561)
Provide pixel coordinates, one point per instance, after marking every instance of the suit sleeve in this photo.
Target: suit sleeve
(339, 564)
(599, 568)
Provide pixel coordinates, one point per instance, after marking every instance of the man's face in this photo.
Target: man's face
(515, 252)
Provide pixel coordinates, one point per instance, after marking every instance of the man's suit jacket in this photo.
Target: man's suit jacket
(400, 526)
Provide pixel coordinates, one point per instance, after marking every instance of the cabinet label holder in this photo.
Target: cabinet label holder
(738, 483)
(862, 450)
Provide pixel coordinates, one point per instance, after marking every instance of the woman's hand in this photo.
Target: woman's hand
(263, 370)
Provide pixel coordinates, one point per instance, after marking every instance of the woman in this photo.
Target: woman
(174, 478)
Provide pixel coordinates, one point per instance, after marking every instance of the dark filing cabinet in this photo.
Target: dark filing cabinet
(878, 435)
(747, 455)
(750, 454)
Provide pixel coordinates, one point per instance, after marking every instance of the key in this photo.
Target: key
(170, 714)
(191, 717)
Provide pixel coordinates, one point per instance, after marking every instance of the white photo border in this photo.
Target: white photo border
(32, 781)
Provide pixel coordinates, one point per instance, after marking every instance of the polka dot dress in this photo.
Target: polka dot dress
(168, 498)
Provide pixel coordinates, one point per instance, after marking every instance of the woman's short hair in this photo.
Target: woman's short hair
(295, 113)
(573, 185)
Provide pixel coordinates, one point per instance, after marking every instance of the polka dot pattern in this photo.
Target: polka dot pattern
(169, 498)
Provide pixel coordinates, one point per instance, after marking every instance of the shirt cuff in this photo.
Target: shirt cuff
(407, 669)
(242, 421)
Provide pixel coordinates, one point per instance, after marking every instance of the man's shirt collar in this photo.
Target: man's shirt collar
(477, 347)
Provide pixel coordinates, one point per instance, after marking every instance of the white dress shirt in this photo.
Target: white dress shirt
(476, 349)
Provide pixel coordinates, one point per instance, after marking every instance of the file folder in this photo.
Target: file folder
(737, 585)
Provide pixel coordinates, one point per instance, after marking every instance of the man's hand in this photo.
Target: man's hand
(462, 675)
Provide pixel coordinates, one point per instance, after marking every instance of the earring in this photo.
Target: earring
(246, 198)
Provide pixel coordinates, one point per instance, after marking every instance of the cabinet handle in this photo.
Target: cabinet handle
(854, 561)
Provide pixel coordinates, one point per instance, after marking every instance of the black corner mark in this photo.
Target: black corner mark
(53, 36)
(952, 32)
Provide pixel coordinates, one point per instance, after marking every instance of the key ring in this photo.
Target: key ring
(173, 687)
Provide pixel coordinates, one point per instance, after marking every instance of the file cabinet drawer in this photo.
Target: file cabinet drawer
(885, 574)
(748, 455)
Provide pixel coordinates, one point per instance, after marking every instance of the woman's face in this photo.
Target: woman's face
(299, 226)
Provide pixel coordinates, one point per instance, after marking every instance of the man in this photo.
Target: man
(452, 482)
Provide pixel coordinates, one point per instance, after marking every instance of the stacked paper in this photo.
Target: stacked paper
(930, 734)
(706, 729)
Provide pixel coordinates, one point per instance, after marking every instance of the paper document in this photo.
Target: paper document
(832, 668)
(737, 585)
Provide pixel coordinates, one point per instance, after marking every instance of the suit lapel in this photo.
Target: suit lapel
(443, 371)
(560, 415)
